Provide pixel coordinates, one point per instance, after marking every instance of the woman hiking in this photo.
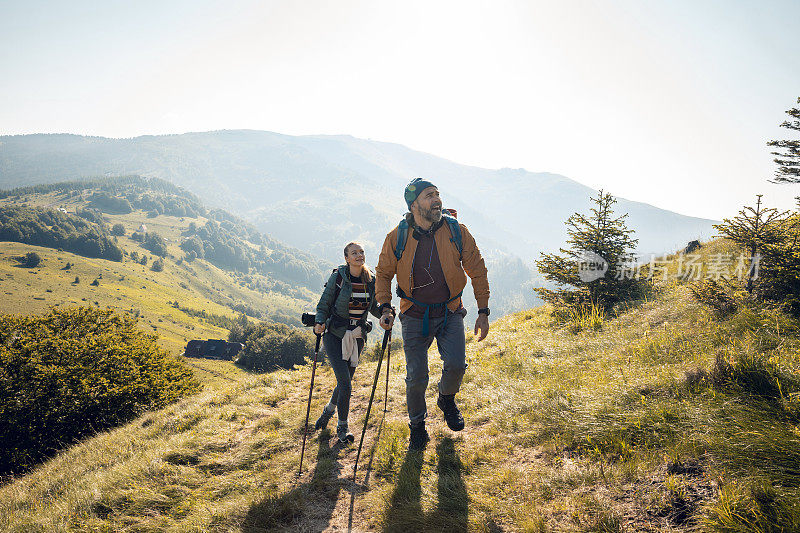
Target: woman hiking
(342, 315)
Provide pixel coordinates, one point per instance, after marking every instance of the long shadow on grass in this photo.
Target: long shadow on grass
(354, 491)
(452, 507)
(320, 493)
(405, 510)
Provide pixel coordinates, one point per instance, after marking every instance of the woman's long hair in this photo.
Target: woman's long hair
(366, 273)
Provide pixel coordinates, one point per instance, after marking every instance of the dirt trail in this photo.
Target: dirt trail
(331, 497)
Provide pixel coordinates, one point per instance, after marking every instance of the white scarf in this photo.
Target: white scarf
(350, 345)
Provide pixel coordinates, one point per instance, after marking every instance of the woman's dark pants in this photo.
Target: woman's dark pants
(343, 371)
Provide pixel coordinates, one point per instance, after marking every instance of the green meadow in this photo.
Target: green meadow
(131, 287)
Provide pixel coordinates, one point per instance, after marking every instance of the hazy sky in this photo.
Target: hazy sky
(668, 102)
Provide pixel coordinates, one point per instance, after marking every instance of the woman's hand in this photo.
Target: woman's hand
(319, 329)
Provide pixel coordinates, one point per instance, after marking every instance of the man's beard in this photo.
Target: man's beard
(432, 215)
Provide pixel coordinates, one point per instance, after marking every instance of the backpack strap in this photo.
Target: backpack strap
(402, 237)
(339, 283)
(455, 232)
(338, 287)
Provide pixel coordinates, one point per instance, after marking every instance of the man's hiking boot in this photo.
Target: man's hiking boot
(322, 421)
(452, 415)
(342, 432)
(419, 438)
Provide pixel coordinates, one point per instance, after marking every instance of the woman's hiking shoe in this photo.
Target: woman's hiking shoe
(452, 415)
(419, 438)
(342, 432)
(322, 421)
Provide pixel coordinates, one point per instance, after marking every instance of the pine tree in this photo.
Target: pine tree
(779, 274)
(789, 160)
(775, 237)
(603, 239)
(754, 230)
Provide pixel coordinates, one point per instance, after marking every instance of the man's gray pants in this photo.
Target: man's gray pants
(451, 343)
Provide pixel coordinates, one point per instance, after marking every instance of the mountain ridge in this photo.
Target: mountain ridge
(318, 192)
(553, 178)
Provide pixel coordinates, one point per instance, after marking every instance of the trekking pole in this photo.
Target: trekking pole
(388, 357)
(308, 409)
(387, 337)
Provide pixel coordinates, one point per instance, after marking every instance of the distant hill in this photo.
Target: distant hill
(187, 275)
(318, 192)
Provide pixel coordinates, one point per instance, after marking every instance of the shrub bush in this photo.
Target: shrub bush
(30, 260)
(118, 230)
(155, 243)
(270, 346)
(72, 372)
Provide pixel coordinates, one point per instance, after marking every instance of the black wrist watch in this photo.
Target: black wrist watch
(484, 310)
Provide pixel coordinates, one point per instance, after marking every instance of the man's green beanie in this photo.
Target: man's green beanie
(413, 189)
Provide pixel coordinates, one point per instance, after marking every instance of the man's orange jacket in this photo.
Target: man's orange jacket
(453, 268)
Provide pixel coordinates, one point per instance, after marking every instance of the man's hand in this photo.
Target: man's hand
(387, 320)
(319, 329)
(482, 324)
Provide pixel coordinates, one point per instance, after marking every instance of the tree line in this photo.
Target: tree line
(224, 240)
(220, 244)
(54, 229)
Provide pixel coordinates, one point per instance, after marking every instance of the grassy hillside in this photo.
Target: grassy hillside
(166, 302)
(667, 418)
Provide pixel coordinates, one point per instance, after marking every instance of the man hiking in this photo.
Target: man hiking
(430, 252)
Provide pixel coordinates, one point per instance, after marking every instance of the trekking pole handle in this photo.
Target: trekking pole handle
(319, 338)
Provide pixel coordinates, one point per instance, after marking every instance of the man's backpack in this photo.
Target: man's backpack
(455, 234)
